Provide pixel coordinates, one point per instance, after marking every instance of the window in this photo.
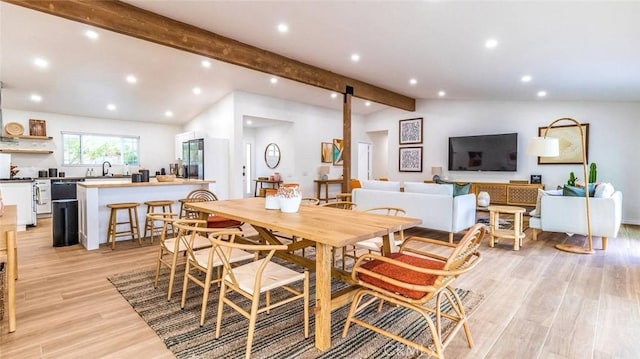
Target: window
(91, 149)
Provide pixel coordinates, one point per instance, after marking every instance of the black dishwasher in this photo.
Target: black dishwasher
(64, 208)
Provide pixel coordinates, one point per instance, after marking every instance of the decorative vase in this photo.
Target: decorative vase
(483, 199)
(289, 197)
(276, 176)
(271, 200)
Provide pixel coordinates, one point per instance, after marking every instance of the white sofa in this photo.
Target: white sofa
(434, 204)
(568, 214)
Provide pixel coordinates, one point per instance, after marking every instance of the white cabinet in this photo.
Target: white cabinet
(183, 137)
(20, 193)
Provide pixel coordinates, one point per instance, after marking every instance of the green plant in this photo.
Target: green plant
(572, 179)
(593, 173)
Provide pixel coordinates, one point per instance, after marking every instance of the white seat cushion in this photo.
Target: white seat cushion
(237, 255)
(274, 276)
(198, 242)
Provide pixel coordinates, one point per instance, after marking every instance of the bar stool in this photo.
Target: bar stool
(165, 206)
(134, 227)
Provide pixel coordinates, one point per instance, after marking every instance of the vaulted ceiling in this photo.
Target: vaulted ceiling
(574, 51)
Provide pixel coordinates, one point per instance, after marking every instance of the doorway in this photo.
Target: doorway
(247, 168)
(364, 161)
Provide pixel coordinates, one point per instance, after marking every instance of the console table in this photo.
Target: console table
(262, 182)
(326, 183)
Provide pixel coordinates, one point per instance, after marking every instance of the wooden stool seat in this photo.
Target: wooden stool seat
(165, 206)
(134, 226)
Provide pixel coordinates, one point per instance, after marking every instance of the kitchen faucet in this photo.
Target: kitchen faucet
(105, 170)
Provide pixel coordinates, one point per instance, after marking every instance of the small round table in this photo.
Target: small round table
(516, 233)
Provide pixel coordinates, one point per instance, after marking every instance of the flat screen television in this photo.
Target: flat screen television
(484, 153)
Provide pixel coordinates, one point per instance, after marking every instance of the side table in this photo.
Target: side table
(516, 233)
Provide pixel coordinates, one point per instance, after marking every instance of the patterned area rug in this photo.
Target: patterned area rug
(278, 334)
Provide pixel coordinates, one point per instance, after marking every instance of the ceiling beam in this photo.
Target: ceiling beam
(142, 24)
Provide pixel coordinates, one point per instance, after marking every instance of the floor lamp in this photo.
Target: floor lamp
(550, 147)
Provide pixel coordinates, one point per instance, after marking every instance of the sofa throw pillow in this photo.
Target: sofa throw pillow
(604, 190)
(538, 210)
(573, 191)
(458, 189)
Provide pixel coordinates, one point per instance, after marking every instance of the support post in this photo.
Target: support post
(346, 140)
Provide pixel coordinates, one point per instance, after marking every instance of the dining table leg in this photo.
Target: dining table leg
(323, 296)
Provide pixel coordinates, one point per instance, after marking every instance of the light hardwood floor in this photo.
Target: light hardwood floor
(540, 302)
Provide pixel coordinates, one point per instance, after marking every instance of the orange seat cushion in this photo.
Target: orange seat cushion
(401, 274)
(222, 222)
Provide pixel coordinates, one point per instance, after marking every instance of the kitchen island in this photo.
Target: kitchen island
(93, 197)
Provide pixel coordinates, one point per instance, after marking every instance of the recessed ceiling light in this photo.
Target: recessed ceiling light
(91, 34)
(41, 63)
(413, 81)
(35, 97)
(491, 43)
(111, 107)
(283, 28)
(132, 79)
(168, 113)
(525, 78)
(542, 93)
(197, 90)
(334, 95)
(206, 63)
(367, 103)
(442, 93)
(274, 80)
(249, 122)
(355, 57)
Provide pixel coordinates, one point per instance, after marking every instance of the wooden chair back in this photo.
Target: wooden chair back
(310, 201)
(340, 205)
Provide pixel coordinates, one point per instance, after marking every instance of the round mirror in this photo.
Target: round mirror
(272, 155)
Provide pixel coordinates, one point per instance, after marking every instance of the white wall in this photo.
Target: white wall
(152, 156)
(613, 143)
(311, 125)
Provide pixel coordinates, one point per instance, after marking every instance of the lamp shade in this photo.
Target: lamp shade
(436, 171)
(544, 147)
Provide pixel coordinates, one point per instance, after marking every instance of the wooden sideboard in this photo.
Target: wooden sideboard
(512, 194)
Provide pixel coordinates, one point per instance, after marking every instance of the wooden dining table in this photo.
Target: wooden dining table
(322, 227)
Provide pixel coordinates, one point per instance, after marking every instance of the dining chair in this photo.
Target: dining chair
(252, 279)
(306, 201)
(310, 201)
(340, 205)
(375, 244)
(197, 195)
(213, 221)
(200, 263)
(413, 277)
(173, 246)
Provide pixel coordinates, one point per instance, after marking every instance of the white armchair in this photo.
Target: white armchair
(568, 214)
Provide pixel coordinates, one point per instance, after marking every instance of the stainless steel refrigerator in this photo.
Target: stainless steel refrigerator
(193, 159)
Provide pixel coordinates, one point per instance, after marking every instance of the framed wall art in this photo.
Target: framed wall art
(326, 152)
(410, 159)
(337, 151)
(570, 144)
(410, 131)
